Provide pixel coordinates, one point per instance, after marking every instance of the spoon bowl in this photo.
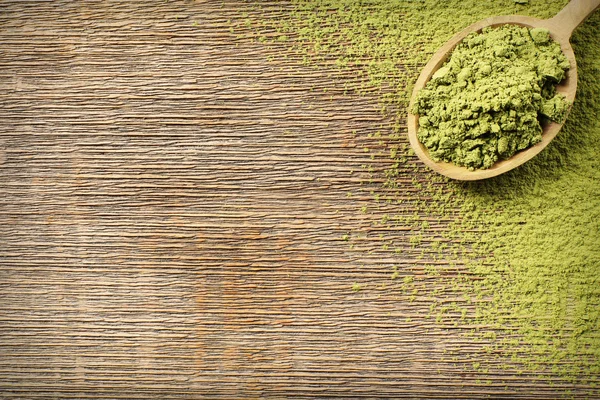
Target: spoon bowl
(560, 27)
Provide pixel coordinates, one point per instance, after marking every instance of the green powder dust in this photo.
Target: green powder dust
(486, 102)
(529, 238)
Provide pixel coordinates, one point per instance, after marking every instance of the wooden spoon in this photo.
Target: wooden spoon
(560, 26)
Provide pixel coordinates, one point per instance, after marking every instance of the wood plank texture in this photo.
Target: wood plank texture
(171, 213)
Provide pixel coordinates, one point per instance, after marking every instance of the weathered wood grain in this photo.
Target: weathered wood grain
(171, 213)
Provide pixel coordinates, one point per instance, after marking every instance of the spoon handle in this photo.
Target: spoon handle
(572, 16)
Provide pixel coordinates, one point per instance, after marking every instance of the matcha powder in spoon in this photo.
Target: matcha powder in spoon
(487, 101)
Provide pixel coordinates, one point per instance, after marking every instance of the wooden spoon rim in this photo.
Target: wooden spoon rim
(567, 87)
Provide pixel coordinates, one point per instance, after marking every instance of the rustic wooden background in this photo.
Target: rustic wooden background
(171, 212)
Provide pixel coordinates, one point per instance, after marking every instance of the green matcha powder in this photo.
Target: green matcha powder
(489, 99)
(529, 238)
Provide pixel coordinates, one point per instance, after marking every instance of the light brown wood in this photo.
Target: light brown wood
(560, 26)
(172, 206)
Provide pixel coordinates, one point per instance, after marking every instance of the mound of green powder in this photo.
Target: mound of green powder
(488, 100)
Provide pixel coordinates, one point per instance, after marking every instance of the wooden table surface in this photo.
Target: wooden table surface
(172, 207)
